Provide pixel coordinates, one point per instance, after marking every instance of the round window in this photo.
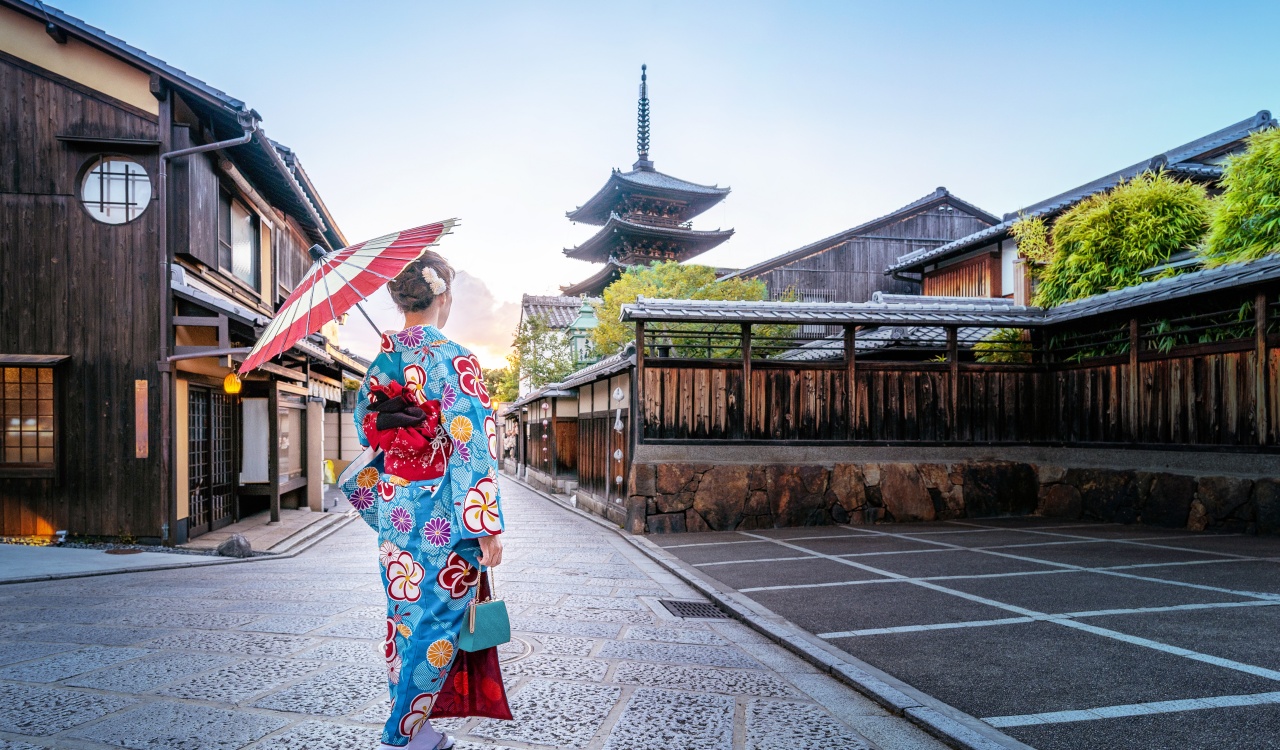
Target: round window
(115, 190)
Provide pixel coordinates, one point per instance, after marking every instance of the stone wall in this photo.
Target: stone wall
(675, 497)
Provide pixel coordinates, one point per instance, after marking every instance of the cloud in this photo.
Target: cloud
(479, 321)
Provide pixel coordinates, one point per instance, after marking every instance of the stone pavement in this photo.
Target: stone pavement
(282, 653)
(25, 563)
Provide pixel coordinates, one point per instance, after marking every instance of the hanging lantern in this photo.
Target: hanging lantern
(617, 454)
(231, 384)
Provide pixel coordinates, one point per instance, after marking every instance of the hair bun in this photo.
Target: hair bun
(436, 284)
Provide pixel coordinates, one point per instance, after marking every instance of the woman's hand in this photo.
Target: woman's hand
(491, 551)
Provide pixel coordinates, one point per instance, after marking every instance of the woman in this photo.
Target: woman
(433, 500)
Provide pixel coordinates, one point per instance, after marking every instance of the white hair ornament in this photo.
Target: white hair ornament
(434, 282)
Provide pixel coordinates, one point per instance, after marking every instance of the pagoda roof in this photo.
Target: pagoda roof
(599, 247)
(594, 285)
(645, 181)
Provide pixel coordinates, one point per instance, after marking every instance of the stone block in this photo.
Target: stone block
(1048, 474)
(703, 679)
(660, 718)
(1266, 504)
(676, 503)
(1059, 501)
(1107, 494)
(670, 479)
(1168, 501)
(797, 495)
(904, 493)
(871, 474)
(666, 523)
(693, 521)
(637, 512)
(1227, 501)
(785, 724)
(848, 484)
(999, 488)
(642, 480)
(757, 503)
(721, 497)
(1198, 518)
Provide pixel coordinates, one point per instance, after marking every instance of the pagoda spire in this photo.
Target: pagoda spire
(642, 125)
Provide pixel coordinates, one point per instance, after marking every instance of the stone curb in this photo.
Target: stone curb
(948, 724)
(302, 546)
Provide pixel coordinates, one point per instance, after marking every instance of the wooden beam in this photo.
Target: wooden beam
(1135, 375)
(273, 450)
(1260, 384)
(637, 416)
(746, 381)
(850, 372)
(953, 360)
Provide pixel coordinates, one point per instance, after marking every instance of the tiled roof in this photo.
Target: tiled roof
(598, 244)
(872, 340)
(605, 367)
(939, 196)
(1182, 160)
(649, 178)
(596, 282)
(555, 311)
(981, 312)
(697, 198)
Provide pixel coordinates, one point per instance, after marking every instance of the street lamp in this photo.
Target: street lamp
(231, 384)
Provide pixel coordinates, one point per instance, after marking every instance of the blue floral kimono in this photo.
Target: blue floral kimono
(427, 529)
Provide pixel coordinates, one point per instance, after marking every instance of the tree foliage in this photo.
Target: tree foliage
(1246, 217)
(1004, 346)
(540, 354)
(1032, 236)
(503, 383)
(665, 280)
(1105, 241)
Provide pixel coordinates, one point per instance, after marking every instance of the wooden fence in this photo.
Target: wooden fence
(1158, 393)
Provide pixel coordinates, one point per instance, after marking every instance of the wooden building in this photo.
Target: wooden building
(643, 215)
(985, 263)
(849, 266)
(148, 230)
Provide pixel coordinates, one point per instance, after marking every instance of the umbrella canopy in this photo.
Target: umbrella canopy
(337, 281)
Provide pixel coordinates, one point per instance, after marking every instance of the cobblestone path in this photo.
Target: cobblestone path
(283, 654)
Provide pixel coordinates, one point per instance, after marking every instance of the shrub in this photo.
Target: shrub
(1246, 217)
(1105, 241)
(1033, 239)
(1005, 346)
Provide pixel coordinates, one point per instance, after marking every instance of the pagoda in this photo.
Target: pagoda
(643, 215)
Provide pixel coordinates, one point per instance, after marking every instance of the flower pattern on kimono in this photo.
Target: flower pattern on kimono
(491, 434)
(470, 380)
(387, 491)
(480, 508)
(440, 653)
(404, 578)
(460, 428)
(386, 551)
(461, 450)
(416, 716)
(411, 336)
(402, 519)
(448, 397)
(367, 478)
(393, 670)
(415, 377)
(457, 576)
(361, 499)
(437, 532)
(388, 344)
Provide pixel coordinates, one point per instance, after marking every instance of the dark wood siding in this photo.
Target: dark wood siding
(853, 269)
(193, 214)
(78, 287)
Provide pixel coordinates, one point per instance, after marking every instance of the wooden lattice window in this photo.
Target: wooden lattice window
(27, 412)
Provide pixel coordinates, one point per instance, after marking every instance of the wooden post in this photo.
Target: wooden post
(746, 381)
(953, 359)
(273, 449)
(638, 413)
(1261, 395)
(850, 370)
(1135, 374)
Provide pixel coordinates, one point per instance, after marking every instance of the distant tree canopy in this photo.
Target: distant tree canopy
(665, 280)
(503, 383)
(540, 354)
(1105, 241)
(1246, 217)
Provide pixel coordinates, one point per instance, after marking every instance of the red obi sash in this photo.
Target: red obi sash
(414, 443)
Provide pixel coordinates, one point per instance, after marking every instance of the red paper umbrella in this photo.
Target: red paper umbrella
(339, 280)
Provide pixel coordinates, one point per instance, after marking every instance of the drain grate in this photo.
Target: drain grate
(685, 609)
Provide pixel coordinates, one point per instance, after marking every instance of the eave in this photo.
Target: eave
(697, 198)
(600, 246)
(594, 285)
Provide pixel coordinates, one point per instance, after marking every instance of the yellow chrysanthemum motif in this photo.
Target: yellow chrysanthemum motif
(440, 653)
(367, 477)
(460, 428)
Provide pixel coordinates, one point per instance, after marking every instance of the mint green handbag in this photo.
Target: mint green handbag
(486, 624)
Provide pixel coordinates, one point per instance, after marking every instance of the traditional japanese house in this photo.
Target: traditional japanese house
(643, 215)
(148, 230)
(849, 266)
(985, 263)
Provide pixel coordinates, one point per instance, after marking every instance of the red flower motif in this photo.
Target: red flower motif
(387, 491)
(403, 578)
(480, 508)
(415, 378)
(470, 379)
(491, 433)
(457, 576)
(416, 716)
(388, 344)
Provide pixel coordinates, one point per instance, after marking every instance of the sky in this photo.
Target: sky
(819, 115)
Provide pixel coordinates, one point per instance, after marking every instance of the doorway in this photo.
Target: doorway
(211, 460)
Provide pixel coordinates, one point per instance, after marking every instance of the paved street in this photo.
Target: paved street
(1063, 636)
(282, 654)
